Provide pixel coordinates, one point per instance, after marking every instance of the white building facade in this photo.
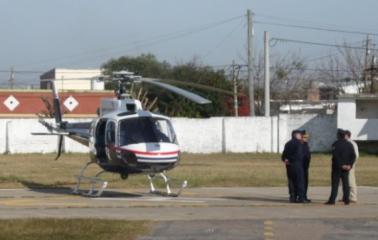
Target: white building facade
(359, 114)
(73, 79)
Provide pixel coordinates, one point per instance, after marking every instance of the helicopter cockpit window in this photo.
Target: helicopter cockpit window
(146, 130)
(110, 133)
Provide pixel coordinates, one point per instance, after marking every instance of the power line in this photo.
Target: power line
(147, 42)
(306, 69)
(21, 71)
(333, 53)
(227, 36)
(303, 21)
(276, 40)
(316, 28)
(177, 36)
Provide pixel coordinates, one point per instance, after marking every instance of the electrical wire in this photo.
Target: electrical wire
(277, 40)
(315, 28)
(296, 20)
(224, 39)
(147, 42)
(22, 71)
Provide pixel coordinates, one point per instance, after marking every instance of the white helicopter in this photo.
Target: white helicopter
(124, 139)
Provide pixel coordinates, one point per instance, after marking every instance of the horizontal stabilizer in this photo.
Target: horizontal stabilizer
(50, 134)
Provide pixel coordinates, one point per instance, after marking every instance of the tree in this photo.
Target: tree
(289, 80)
(350, 65)
(145, 64)
(148, 65)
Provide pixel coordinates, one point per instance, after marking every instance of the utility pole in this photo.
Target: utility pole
(373, 74)
(366, 63)
(250, 63)
(267, 74)
(11, 78)
(235, 75)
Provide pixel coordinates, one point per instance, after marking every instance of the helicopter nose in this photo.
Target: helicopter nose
(155, 157)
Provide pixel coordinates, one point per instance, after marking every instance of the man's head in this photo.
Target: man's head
(305, 137)
(348, 134)
(340, 134)
(296, 134)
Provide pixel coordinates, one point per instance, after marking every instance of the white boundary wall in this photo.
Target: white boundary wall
(3, 136)
(212, 135)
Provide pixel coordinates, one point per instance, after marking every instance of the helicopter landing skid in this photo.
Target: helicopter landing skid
(167, 182)
(93, 181)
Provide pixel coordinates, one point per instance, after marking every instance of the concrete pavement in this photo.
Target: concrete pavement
(208, 213)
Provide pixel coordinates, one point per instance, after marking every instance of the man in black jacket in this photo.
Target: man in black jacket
(293, 157)
(343, 157)
(306, 162)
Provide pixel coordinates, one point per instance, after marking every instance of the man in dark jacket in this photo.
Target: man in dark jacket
(343, 157)
(306, 162)
(293, 157)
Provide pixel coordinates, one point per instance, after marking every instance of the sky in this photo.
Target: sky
(40, 35)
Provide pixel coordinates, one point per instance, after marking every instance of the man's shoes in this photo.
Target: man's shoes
(307, 200)
(329, 203)
(346, 202)
(302, 201)
(350, 201)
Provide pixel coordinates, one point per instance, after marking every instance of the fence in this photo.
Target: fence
(212, 135)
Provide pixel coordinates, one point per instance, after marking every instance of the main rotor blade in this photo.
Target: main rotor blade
(189, 95)
(199, 86)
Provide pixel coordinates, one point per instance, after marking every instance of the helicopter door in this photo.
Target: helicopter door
(110, 141)
(100, 140)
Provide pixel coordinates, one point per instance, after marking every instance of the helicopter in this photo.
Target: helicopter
(124, 139)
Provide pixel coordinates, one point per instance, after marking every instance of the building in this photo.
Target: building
(326, 107)
(29, 103)
(359, 114)
(72, 79)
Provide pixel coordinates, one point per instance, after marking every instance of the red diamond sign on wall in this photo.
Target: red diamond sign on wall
(11, 103)
(71, 103)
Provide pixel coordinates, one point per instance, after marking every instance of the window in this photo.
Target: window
(146, 130)
(366, 109)
(110, 133)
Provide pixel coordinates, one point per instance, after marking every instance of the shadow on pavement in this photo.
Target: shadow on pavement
(55, 189)
(259, 199)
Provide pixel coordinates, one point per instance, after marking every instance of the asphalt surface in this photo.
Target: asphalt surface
(208, 213)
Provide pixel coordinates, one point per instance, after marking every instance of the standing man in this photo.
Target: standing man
(343, 157)
(352, 176)
(292, 157)
(306, 162)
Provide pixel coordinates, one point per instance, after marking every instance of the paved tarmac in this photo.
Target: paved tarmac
(208, 213)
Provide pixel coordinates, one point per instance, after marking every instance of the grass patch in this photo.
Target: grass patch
(201, 170)
(71, 229)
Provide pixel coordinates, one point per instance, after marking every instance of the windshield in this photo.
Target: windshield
(146, 130)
